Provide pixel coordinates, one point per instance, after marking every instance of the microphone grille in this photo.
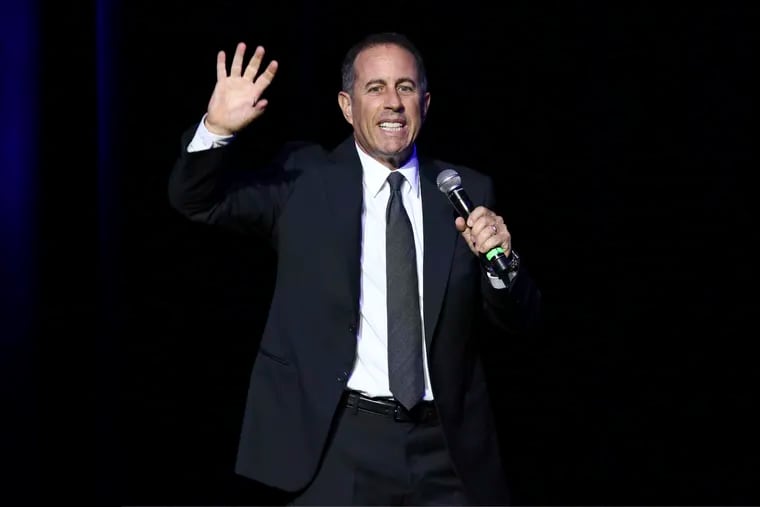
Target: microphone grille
(448, 180)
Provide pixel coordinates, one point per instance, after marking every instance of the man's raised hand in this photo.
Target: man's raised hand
(236, 100)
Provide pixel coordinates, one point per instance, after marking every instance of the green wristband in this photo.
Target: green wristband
(494, 252)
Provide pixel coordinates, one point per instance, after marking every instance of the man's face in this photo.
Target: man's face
(386, 106)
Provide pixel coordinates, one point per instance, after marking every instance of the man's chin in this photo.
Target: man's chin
(397, 158)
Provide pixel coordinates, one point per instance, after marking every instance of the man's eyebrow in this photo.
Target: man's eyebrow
(383, 82)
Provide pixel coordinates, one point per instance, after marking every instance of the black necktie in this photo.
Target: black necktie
(404, 326)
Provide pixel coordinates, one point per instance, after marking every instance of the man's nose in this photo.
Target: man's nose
(393, 100)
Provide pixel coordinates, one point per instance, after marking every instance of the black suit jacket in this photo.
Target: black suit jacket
(309, 203)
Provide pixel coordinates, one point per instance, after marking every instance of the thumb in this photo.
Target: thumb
(460, 224)
(261, 104)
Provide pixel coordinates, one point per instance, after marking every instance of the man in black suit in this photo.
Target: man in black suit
(328, 416)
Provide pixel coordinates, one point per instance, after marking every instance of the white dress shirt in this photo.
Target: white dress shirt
(370, 374)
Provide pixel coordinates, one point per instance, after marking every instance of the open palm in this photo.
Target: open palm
(236, 100)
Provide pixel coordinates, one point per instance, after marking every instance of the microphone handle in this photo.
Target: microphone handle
(495, 257)
(461, 202)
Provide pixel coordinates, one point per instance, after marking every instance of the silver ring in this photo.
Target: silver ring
(493, 228)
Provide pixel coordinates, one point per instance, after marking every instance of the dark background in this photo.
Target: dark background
(618, 138)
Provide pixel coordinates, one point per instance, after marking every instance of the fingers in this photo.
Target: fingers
(260, 105)
(237, 60)
(253, 65)
(460, 224)
(488, 239)
(266, 77)
(251, 70)
(484, 231)
(221, 67)
(488, 225)
(477, 214)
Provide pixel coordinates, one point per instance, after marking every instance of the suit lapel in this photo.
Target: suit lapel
(440, 239)
(343, 187)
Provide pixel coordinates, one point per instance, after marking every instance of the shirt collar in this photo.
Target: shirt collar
(375, 174)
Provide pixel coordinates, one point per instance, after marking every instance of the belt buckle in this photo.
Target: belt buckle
(398, 415)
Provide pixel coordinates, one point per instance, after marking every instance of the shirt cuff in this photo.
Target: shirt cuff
(496, 282)
(205, 140)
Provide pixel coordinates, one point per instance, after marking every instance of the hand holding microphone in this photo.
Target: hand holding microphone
(484, 231)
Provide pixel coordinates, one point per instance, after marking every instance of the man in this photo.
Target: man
(330, 417)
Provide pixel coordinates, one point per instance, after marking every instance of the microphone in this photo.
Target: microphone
(450, 183)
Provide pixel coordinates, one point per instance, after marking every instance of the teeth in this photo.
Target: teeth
(391, 125)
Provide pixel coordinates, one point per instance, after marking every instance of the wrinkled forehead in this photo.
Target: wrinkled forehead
(387, 62)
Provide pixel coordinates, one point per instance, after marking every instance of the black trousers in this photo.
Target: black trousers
(374, 459)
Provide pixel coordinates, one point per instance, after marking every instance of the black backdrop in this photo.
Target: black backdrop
(617, 136)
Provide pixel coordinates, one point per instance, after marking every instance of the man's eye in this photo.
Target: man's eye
(406, 89)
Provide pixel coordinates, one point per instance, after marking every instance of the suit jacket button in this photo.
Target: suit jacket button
(343, 377)
(351, 329)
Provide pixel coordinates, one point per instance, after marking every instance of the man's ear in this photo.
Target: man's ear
(425, 105)
(344, 101)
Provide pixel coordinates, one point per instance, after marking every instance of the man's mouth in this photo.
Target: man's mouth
(391, 126)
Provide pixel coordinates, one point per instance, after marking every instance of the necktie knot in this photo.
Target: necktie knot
(395, 180)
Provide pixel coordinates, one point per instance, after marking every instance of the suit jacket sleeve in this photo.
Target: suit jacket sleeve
(212, 187)
(515, 309)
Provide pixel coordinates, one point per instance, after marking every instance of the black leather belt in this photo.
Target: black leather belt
(424, 412)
